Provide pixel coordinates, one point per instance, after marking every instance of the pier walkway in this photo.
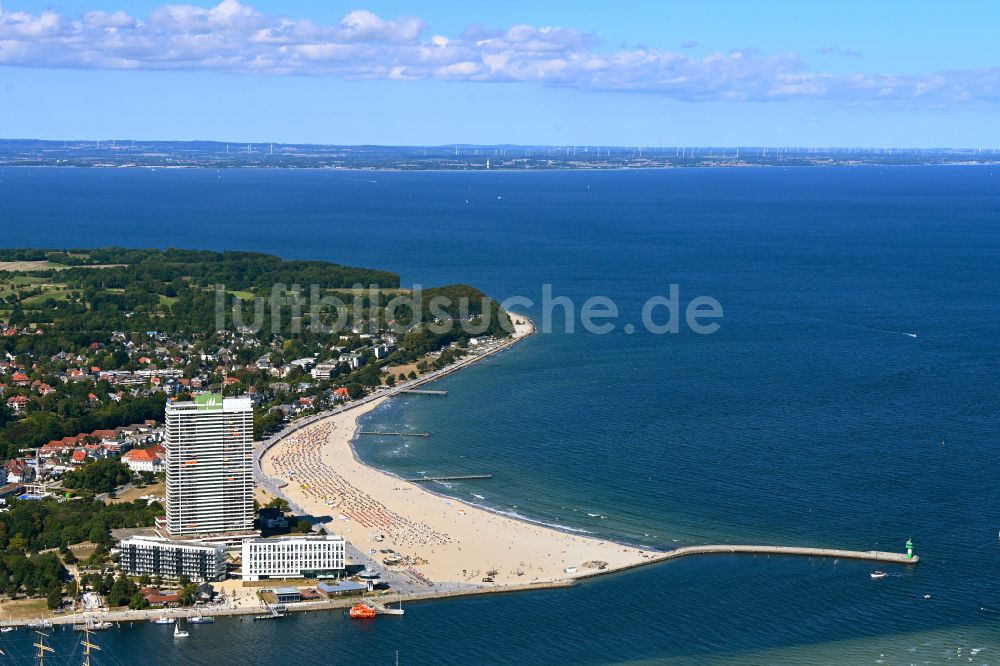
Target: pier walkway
(424, 392)
(833, 553)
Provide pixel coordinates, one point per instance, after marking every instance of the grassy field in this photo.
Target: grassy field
(24, 266)
(31, 266)
(24, 609)
(131, 494)
(82, 550)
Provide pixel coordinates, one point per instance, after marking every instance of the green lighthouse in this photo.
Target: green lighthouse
(909, 549)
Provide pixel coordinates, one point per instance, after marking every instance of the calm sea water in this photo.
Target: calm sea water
(809, 418)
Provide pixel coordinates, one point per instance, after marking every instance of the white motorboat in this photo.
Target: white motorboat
(878, 574)
(201, 619)
(163, 619)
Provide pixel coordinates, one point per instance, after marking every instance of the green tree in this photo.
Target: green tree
(279, 503)
(121, 591)
(138, 602)
(54, 597)
(18, 544)
(187, 597)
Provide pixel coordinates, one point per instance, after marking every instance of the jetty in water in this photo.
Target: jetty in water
(394, 433)
(466, 477)
(424, 392)
(831, 553)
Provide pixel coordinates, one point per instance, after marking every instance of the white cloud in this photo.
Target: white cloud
(235, 37)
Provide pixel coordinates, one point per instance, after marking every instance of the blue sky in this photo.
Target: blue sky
(634, 73)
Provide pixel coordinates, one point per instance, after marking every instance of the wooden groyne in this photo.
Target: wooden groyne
(394, 433)
(466, 477)
(424, 392)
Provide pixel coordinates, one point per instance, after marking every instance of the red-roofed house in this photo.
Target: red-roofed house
(54, 448)
(157, 598)
(79, 456)
(20, 379)
(145, 460)
(105, 436)
(18, 471)
(18, 403)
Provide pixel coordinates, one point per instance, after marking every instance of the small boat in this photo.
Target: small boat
(201, 619)
(180, 634)
(6, 630)
(361, 612)
(878, 574)
(163, 619)
(90, 625)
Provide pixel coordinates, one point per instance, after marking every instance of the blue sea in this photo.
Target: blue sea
(849, 399)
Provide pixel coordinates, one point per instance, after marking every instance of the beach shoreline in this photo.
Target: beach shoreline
(442, 540)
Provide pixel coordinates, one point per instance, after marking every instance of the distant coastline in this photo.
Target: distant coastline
(114, 153)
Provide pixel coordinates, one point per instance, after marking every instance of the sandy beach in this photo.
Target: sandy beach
(446, 540)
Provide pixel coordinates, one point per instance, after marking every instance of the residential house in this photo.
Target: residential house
(145, 460)
(18, 403)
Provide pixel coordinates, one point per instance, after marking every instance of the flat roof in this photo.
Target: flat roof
(342, 586)
(298, 537)
(212, 402)
(286, 590)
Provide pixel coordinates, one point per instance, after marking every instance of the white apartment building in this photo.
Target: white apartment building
(157, 556)
(307, 556)
(209, 467)
(324, 371)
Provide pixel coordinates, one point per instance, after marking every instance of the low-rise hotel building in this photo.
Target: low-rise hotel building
(309, 556)
(157, 556)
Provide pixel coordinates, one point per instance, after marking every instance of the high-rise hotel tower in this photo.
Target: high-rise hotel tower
(209, 467)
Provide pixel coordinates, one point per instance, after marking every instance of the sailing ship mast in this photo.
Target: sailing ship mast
(42, 648)
(87, 647)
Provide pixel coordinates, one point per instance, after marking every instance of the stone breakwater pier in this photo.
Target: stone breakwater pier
(833, 553)
(885, 557)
